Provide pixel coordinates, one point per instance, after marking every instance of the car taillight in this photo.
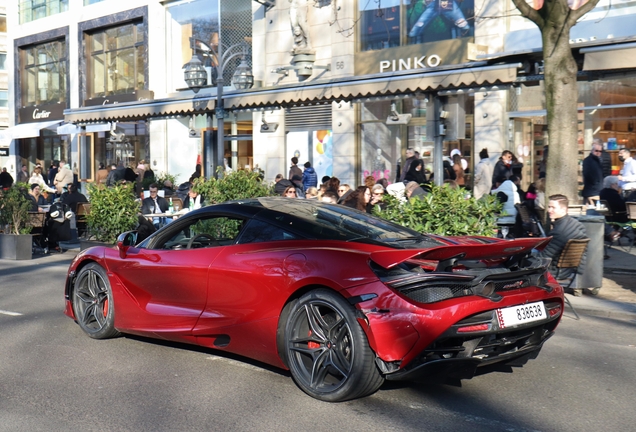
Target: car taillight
(474, 328)
(554, 311)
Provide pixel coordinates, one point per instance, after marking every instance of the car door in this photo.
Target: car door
(169, 281)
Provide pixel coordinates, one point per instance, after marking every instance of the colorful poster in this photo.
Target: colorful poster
(322, 153)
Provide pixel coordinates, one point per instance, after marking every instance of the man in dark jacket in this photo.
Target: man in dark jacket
(281, 184)
(606, 158)
(310, 178)
(592, 175)
(564, 228)
(6, 179)
(294, 170)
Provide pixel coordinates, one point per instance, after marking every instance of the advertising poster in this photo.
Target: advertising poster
(313, 146)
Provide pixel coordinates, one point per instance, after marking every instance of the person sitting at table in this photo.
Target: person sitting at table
(154, 204)
(611, 193)
(564, 228)
(36, 199)
(193, 198)
(73, 197)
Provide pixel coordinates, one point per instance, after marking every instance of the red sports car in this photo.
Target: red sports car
(342, 299)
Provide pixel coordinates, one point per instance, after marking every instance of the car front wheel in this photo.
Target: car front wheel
(93, 302)
(327, 351)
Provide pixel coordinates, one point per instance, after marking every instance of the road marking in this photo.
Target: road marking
(4, 312)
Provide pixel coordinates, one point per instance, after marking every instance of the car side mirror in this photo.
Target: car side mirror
(125, 241)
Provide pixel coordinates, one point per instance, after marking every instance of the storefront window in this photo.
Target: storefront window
(4, 98)
(379, 24)
(200, 20)
(394, 23)
(31, 10)
(44, 73)
(117, 60)
(381, 144)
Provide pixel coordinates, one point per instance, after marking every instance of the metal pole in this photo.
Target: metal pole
(438, 149)
(220, 112)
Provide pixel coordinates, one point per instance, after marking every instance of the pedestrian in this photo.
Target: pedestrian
(294, 170)
(63, 178)
(410, 157)
(592, 175)
(23, 175)
(483, 175)
(503, 167)
(310, 178)
(627, 176)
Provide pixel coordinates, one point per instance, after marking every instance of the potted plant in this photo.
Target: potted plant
(16, 242)
(113, 211)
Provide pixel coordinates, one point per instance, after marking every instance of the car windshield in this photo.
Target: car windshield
(336, 222)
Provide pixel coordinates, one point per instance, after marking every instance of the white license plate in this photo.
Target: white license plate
(515, 315)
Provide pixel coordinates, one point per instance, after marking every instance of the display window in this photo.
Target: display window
(43, 73)
(396, 23)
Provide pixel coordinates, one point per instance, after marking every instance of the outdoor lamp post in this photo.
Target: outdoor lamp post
(242, 79)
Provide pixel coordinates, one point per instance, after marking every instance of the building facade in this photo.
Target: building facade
(346, 85)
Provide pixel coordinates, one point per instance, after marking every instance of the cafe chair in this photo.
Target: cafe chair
(570, 259)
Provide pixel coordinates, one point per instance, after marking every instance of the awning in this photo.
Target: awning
(28, 130)
(141, 110)
(360, 88)
(609, 57)
(350, 88)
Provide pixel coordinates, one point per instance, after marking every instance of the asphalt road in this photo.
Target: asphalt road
(53, 377)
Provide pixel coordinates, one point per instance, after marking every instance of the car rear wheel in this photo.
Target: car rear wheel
(93, 302)
(327, 351)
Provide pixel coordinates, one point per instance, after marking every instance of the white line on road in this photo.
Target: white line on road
(4, 312)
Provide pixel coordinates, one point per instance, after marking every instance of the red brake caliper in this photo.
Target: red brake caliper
(105, 308)
(311, 344)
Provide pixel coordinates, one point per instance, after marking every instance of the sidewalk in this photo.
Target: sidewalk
(617, 297)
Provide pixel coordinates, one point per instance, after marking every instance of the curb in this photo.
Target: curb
(603, 313)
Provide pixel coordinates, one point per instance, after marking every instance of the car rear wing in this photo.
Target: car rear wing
(497, 250)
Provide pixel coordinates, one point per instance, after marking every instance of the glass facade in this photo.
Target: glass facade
(4, 99)
(31, 10)
(607, 110)
(43, 70)
(204, 21)
(395, 23)
(116, 60)
(3, 60)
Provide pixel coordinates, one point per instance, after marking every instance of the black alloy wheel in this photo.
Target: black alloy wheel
(93, 302)
(327, 351)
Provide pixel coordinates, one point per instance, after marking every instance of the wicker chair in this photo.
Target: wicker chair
(570, 259)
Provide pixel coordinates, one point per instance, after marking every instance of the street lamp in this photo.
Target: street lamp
(195, 76)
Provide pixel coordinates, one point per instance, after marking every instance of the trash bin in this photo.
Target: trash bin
(592, 276)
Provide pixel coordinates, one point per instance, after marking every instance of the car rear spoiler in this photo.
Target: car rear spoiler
(497, 250)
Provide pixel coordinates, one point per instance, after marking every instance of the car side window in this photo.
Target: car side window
(203, 232)
(257, 231)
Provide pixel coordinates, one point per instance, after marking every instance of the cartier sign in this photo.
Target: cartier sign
(38, 113)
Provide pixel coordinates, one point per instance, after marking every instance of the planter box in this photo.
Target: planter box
(16, 247)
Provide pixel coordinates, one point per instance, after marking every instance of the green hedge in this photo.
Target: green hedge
(444, 211)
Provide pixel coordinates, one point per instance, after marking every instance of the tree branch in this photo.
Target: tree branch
(530, 13)
(578, 13)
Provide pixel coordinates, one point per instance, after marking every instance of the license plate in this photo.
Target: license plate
(521, 314)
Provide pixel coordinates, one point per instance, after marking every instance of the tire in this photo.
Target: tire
(327, 351)
(93, 304)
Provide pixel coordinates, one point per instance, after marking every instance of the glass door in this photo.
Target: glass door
(86, 155)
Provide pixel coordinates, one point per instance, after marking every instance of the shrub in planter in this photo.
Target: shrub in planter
(14, 210)
(444, 211)
(235, 185)
(113, 211)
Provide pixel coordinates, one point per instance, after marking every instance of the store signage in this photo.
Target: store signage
(4, 151)
(405, 64)
(38, 113)
(412, 57)
(137, 96)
